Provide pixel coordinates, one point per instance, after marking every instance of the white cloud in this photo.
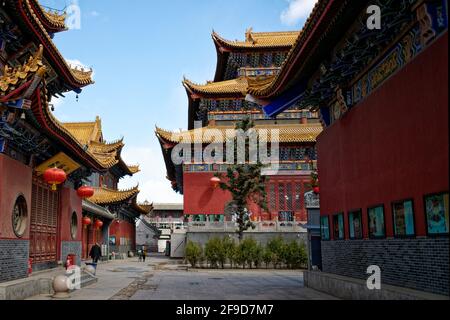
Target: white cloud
(152, 180)
(95, 13)
(297, 11)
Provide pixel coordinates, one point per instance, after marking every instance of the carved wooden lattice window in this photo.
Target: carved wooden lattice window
(281, 197)
(44, 212)
(288, 197)
(272, 197)
(298, 197)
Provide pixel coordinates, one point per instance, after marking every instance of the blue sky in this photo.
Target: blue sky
(140, 50)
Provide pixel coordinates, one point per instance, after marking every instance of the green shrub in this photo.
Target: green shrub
(247, 252)
(194, 253)
(230, 250)
(257, 255)
(267, 257)
(213, 251)
(294, 255)
(276, 247)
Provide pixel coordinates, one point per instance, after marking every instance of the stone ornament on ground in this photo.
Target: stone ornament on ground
(61, 287)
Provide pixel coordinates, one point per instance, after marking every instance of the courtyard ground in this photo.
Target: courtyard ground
(160, 278)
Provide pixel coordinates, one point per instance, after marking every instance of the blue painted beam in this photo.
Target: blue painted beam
(285, 101)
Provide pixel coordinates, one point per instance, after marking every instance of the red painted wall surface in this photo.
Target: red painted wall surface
(392, 146)
(15, 180)
(201, 198)
(70, 203)
(123, 229)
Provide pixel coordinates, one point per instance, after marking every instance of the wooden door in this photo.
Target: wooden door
(44, 222)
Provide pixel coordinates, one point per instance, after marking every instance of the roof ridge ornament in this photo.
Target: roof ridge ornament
(249, 35)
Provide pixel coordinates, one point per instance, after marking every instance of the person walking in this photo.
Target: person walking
(144, 254)
(95, 253)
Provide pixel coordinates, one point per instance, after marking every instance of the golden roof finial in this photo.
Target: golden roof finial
(248, 35)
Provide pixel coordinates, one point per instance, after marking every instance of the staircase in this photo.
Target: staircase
(87, 279)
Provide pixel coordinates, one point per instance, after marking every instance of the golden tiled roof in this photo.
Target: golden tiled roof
(90, 134)
(134, 169)
(11, 79)
(260, 40)
(104, 147)
(143, 208)
(286, 133)
(270, 88)
(55, 18)
(105, 196)
(85, 132)
(82, 77)
(234, 86)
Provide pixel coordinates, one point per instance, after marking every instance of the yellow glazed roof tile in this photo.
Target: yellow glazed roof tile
(83, 77)
(284, 133)
(234, 86)
(260, 40)
(105, 196)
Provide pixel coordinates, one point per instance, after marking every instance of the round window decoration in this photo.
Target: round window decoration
(20, 216)
(74, 225)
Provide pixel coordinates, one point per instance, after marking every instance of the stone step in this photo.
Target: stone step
(87, 279)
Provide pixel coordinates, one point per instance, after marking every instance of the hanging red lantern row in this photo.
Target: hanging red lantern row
(54, 177)
(215, 181)
(86, 221)
(85, 192)
(98, 224)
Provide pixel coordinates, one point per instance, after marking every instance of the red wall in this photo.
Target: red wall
(15, 180)
(123, 229)
(392, 146)
(70, 202)
(200, 197)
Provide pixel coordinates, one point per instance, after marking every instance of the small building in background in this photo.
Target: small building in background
(154, 230)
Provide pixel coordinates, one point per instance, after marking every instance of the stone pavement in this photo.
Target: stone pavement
(228, 285)
(162, 279)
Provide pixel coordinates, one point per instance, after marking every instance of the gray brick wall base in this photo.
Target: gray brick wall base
(13, 259)
(71, 247)
(356, 289)
(419, 264)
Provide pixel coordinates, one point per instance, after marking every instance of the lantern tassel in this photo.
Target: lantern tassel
(54, 188)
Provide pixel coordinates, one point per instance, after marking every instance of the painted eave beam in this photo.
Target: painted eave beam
(285, 101)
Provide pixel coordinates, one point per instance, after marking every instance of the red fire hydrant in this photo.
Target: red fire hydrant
(30, 266)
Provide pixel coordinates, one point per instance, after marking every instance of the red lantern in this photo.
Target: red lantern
(316, 190)
(87, 221)
(98, 224)
(215, 182)
(54, 176)
(85, 192)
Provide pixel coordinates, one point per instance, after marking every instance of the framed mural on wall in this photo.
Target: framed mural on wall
(355, 224)
(376, 222)
(338, 226)
(437, 214)
(403, 218)
(324, 228)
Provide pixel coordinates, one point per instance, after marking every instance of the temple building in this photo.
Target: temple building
(382, 96)
(46, 170)
(216, 107)
(117, 210)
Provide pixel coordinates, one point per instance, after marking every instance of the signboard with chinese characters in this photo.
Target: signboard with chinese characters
(61, 161)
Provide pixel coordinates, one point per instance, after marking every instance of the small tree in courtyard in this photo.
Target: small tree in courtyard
(245, 183)
(194, 253)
